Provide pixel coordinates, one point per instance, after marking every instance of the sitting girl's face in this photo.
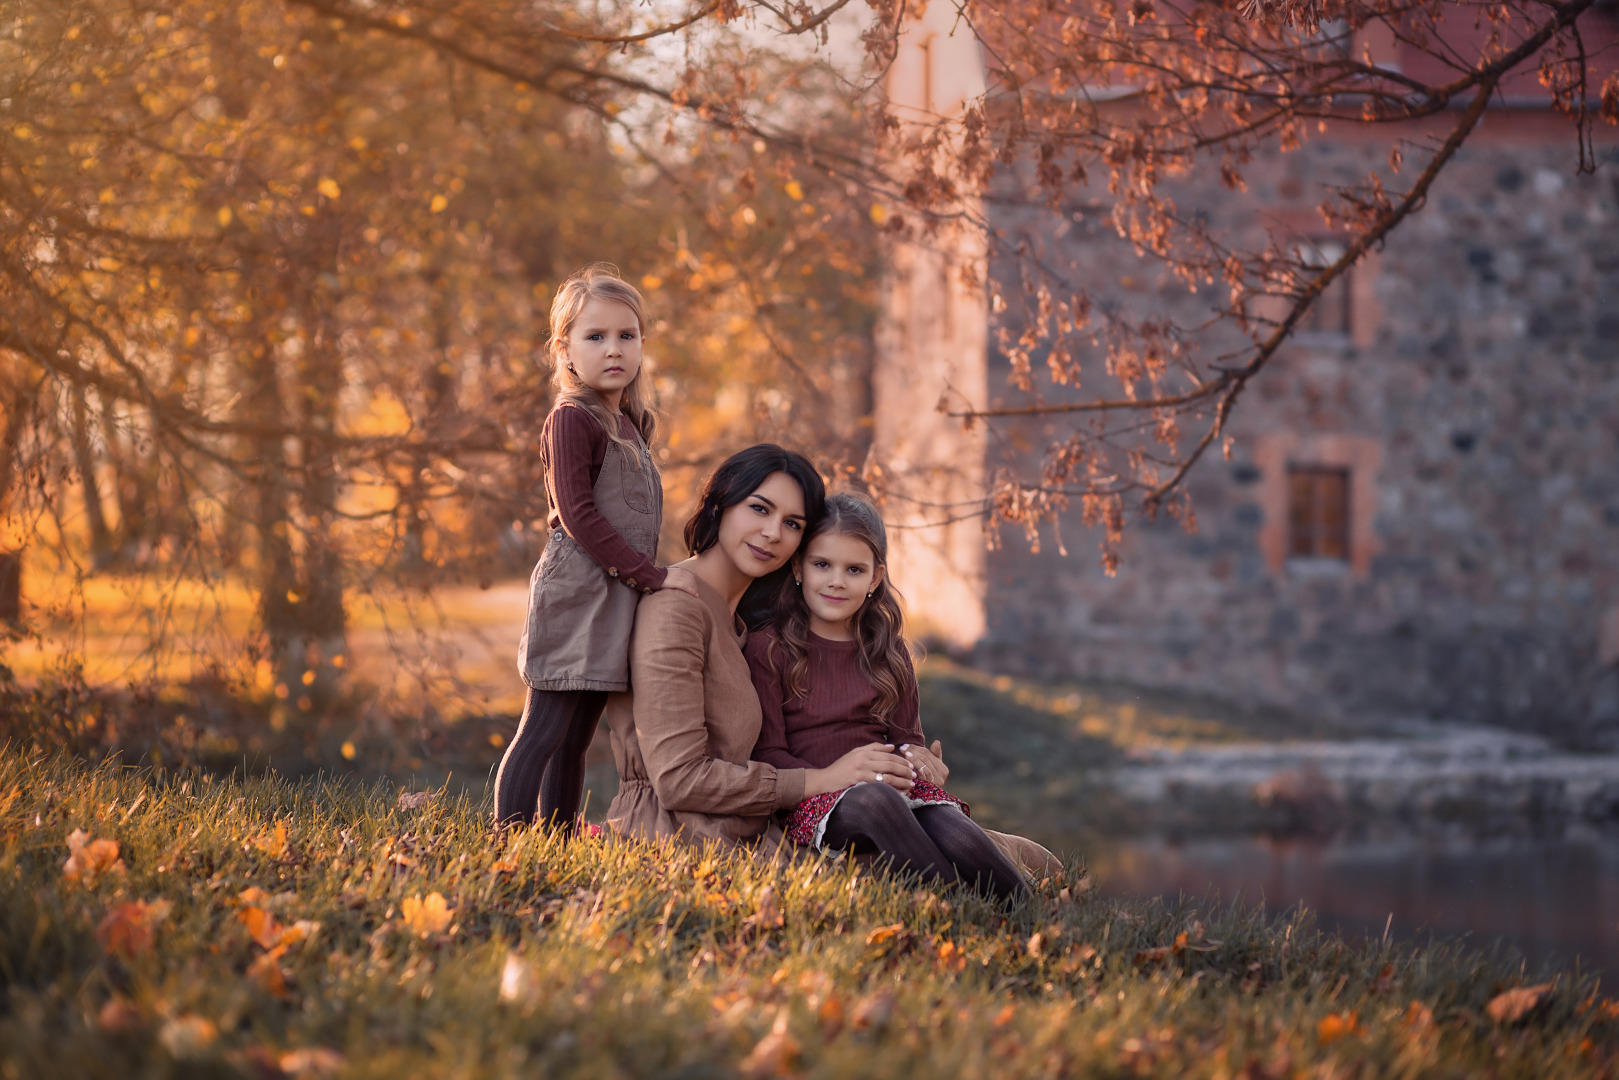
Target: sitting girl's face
(837, 572)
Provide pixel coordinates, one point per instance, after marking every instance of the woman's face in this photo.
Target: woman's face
(763, 531)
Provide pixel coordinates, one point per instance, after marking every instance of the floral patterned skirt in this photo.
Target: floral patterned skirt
(807, 823)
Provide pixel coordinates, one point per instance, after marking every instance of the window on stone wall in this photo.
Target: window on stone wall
(1330, 312)
(1318, 512)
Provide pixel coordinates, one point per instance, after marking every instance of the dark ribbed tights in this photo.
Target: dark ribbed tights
(939, 843)
(544, 767)
(970, 850)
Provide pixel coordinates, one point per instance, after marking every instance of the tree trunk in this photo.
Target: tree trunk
(102, 547)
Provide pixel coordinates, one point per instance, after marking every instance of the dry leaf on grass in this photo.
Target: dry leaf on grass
(830, 1014)
(1513, 1005)
(516, 979)
(275, 843)
(424, 916)
(776, 1054)
(872, 1011)
(266, 971)
(187, 1036)
(1337, 1026)
(311, 1061)
(1418, 1018)
(767, 914)
(270, 934)
(118, 1015)
(884, 934)
(130, 927)
(88, 859)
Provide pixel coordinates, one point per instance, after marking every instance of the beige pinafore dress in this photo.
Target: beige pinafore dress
(577, 636)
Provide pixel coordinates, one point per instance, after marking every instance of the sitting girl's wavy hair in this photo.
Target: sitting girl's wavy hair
(879, 627)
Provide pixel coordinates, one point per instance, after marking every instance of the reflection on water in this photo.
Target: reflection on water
(1553, 900)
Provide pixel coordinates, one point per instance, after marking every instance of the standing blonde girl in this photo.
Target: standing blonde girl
(833, 673)
(606, 512)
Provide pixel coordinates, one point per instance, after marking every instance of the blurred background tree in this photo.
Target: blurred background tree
(277, 279)
(275, 272)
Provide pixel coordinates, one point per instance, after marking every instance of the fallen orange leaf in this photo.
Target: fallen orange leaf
(118, 1015)
(884, 934)
(872, 1011)
(266, 971)
(831, 1015)
(776, 1054)
(129, 927)
(424, 916)
(262, 925)
(1337, 1026)
(313, 1061)
(1513, 1005)
(951, 956)
(89, 858)
(187, 1036)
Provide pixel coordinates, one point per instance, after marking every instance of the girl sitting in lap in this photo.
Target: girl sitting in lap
(833, 673)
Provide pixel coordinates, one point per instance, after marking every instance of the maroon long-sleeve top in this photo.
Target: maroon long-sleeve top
(576, 448)
(834, 715)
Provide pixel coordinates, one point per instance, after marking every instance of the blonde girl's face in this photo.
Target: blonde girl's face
(603, 347)
(837, 572)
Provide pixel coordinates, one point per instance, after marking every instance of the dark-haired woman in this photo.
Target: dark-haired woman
(683, 735)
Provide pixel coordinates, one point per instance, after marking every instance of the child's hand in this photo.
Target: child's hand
(929, 765)
(677, 577)
(876, 762)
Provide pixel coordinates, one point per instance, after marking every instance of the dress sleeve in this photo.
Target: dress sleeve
(770, 686)
(668, 652)
(905, 725)
(574, 442)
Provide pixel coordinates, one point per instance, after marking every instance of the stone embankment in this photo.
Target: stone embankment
(1487, 779)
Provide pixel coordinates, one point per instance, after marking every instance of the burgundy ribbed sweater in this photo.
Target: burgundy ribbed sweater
(576, 447)
(834, 715)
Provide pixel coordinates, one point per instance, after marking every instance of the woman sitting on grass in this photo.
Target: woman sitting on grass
(833, 672)
(683, 735)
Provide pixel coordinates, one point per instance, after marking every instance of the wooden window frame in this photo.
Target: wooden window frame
(1317, 254)
(1319, 508)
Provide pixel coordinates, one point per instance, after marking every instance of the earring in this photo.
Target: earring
(869, 595)
(573, 369)
(798, 581)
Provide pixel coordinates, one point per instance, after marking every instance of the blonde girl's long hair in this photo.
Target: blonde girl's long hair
(598, 281)
(879, 627)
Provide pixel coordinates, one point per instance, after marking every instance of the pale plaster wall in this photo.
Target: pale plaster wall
(930, 345)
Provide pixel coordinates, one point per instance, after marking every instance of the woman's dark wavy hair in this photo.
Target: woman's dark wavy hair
(879, 629)
(738, 477)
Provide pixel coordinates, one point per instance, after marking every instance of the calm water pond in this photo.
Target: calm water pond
(1552, 900)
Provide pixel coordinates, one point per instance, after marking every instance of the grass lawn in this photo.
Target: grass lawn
(268, 927)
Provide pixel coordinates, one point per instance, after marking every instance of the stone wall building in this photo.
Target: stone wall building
(1420, 516)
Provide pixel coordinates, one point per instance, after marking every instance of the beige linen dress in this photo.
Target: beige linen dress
(579, 617)
(682, 737)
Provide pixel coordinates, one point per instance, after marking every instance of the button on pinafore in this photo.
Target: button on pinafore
(579, 615)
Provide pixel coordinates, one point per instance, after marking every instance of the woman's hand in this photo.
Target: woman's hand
(929, 764)
(678, 577)
(875, 762)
